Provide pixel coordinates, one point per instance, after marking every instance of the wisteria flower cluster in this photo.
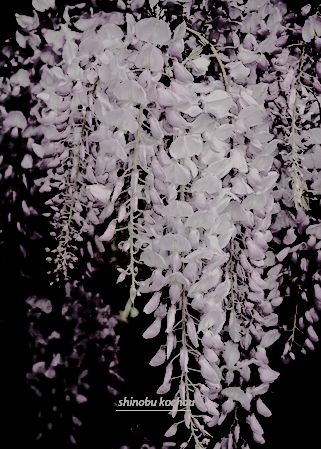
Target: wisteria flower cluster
(77, 337)
(185, 136)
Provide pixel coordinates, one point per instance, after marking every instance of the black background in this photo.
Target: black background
(295, 399)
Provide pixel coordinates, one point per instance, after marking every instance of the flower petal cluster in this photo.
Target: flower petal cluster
(194, 150)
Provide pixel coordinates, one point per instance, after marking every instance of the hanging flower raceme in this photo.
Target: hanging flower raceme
(210, 284)
(294, 103)
(170, 148)
(192, 148)
(64, 338)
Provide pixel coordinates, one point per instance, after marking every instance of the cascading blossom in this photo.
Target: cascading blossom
(67, 345)
(186, 136)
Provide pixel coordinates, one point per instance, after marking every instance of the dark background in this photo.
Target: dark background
(295, 398)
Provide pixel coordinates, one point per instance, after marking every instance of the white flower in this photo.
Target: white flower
(209, 372)
(174, 242)
(15, 119)
(262, 408)
(21, 78)
(235, 393)
(28, 23)
(218, 103)
(153, 303)
(267, 375)
(150, 57)
(129, 91)
(209, 184)
(111, 35)
(153, 259)
(199, 66)
(311, 28)
(110, 232)
(314, 230)
(100, 192)
(177, 174)
(173, 429)
(43, 5)
(231, 354)
(186, 146)
(153, 30)
(178, 209)
(153, 329)
(27, 161)
(254, 424)
(159, 358)
(69, 51)
(238, 71)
